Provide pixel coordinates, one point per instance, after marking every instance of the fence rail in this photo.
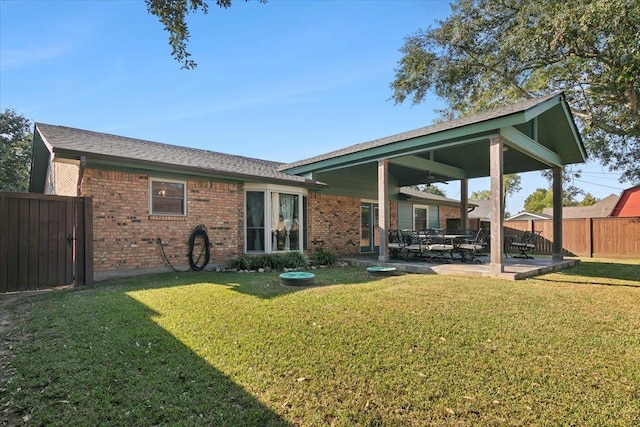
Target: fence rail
(586, 237)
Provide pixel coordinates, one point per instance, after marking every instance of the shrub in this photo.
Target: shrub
(296, 260)
(323, 257)
(272, 261)
(241, 262)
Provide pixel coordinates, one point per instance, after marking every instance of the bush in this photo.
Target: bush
(241, 262)
(272, 261)
(296, 260)
(323, 257)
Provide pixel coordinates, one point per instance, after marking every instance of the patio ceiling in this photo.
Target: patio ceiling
(538, 134)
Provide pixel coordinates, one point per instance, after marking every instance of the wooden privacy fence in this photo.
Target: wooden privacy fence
(586, 237)
(45, 241)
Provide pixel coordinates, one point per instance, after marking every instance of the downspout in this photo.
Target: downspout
(81, 166)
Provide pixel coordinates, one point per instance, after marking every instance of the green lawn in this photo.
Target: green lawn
(240, 350)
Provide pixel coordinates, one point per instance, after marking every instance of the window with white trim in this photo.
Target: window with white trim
(420, 217)
(167, 197)
(275, 218)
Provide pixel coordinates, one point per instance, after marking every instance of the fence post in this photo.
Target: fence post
(4, 227)
(589, 236)
(84, 241)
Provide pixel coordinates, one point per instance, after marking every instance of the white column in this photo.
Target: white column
(383, 209)
(497, 204)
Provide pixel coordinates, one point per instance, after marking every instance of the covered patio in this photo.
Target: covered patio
(532, 135)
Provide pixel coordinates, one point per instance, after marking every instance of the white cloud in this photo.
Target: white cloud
(17, 58)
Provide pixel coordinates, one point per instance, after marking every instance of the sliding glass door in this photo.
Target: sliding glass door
(369, 230)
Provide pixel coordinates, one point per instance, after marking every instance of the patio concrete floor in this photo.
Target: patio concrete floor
(514, 268)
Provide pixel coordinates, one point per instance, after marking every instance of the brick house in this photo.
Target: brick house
(146, 192)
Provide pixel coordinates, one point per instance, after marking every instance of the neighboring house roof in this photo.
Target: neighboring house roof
(629, 203)
(600, 209)
(481, 211)
(523, 216)
(412, 193)
(66, 142)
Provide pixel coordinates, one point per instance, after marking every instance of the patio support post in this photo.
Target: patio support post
(383, 209)
(556, 252)
(496, 169)
(464, 204)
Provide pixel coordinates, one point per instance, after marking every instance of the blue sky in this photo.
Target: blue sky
(281, 81)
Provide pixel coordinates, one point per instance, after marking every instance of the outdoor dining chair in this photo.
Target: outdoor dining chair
(440, 246)
(527, 244)
(415, 243)
(472, 248)
(396, 243)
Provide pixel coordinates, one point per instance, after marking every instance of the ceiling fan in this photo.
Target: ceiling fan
(430, 179)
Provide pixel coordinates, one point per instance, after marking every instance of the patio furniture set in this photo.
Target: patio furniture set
(441, 245)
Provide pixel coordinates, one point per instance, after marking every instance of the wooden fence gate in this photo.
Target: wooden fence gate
(45, 241)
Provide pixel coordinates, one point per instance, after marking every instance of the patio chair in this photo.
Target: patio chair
(439, 246)
(396, 243)
(527, 244)
(415, 243)
(470, 249)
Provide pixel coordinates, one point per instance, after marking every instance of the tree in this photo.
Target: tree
(431, 189)
(434, 189)
(172, 14)
(588, 200)
(481, 195)
(15, 151)
(511, 183)
(538, 200)
(491, 52)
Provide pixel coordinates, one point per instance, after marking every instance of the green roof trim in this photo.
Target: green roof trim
(558, 144)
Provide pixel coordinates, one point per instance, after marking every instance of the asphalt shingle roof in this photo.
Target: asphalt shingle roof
(427, 130)
(71, 141)
(600, 209)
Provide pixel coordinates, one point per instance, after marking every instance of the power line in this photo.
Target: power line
(599, 185)
(600, 173)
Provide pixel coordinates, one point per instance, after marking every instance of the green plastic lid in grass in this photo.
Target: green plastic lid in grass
(381, 271)
(297, 278)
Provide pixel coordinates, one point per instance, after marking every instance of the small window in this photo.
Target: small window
(168, 197)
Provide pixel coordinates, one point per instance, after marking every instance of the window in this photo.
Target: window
(420, 217)
(275, 219)
(168, 197)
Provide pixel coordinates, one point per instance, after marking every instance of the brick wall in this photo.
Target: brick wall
(393, 215)
(448, 212)
(126, 236)
(334, 223)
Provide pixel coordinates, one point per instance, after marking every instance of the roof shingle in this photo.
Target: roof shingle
(70, 141)
(427, 130)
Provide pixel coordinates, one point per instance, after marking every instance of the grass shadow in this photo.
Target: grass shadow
(119, 368)
(603, 273)
(260, 285)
